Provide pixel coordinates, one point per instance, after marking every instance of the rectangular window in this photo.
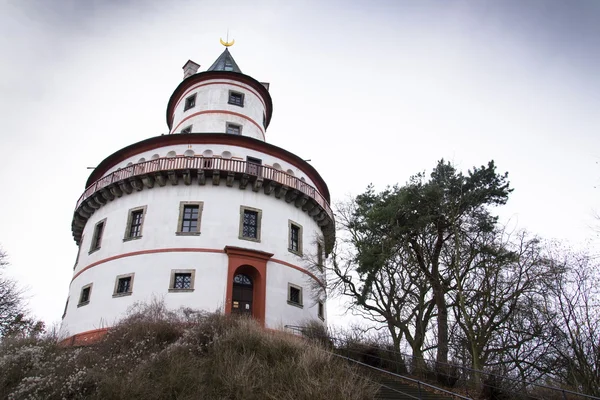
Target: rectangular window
(294, 295)
(187, 129)
(97, 238)
(320, 256)
(66, 306)
(190, 102)
(135, 222)
(84, 297)
(321, 312)
(190, 214)
(123, 285)
(182, 280)
(294, 238)
(250, 220)
(236, 98)
(233, 129)
(78, 252)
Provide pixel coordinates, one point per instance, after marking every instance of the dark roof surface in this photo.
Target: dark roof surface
(225, 62)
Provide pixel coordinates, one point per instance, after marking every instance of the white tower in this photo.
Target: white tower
(210, 216)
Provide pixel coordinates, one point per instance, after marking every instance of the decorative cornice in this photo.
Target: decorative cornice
(172, 170)
(209, 138)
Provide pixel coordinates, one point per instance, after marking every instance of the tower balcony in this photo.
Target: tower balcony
(202, 171)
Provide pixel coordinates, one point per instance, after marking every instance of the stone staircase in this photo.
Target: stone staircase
(397, 390)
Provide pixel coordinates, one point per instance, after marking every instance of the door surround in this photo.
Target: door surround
(254, 264)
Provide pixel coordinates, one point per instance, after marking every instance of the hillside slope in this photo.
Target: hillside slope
(158, 354)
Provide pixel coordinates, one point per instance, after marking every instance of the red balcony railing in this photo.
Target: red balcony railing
(208, 164)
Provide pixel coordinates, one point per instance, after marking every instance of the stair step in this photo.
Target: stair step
(396, 390)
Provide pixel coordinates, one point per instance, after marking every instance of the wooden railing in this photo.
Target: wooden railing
(208, 164)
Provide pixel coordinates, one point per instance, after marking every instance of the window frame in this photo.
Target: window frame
(173, 289)
(131, 276)
(289, 295)
(128, 226)
(258, 212)
(188, 100)
(232, 124)
(66, 307)
(79, 251)
(320, 258)
(182, 205)
(235, 93)
(81, 303)
(321, 310)
(291, 226)
(96, 243)
(186, 130)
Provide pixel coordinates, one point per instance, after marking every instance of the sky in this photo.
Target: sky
(369, 91)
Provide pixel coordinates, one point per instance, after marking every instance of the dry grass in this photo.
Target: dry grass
(158, 354)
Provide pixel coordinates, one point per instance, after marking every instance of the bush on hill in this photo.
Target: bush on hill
(158, 354)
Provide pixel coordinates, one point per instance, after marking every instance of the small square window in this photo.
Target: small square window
(190, 102)
(295, 238)
(234, 129)
(187, 129)
(250, 220)
(97, 238)
(190, 214)
(321, 312)
(123, 285)
(182, 280)
(236, 98)
(135, 222)
(294, 295)
(84, 297)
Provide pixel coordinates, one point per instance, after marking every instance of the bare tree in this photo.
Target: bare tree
(573, 313)
(14, 318)
(499, 279)
(379, 275)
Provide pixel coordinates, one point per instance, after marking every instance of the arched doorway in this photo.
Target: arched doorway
(253, 264)
(242, 294)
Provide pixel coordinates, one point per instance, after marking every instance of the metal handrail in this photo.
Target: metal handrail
(406, 378)
(209, 164)
(564, 392)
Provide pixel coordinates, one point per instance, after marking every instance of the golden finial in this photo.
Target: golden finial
(227, 43)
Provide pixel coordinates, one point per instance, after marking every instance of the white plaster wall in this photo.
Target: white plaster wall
(151, 280)
(214, 96)
(219, 228)
(217, 150)
(279, 312)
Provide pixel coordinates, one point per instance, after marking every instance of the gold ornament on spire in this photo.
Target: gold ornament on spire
(227, 43)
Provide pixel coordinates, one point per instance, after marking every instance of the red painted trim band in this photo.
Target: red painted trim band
(187, 250)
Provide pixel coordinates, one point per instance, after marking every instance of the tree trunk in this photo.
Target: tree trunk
(442, 368)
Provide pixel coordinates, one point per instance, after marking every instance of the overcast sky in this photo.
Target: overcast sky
(370, 91)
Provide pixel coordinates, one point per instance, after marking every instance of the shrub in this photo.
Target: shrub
(157, 354)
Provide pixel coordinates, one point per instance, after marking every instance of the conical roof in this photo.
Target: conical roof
(225, 62)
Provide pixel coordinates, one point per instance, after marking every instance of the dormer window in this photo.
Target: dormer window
(236, 98)
(190, 102)
(234, 129)
(187, 129)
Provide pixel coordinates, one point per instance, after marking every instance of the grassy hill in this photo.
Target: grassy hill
(158, 354)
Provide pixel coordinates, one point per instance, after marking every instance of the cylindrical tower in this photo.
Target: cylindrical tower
(209, 217)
